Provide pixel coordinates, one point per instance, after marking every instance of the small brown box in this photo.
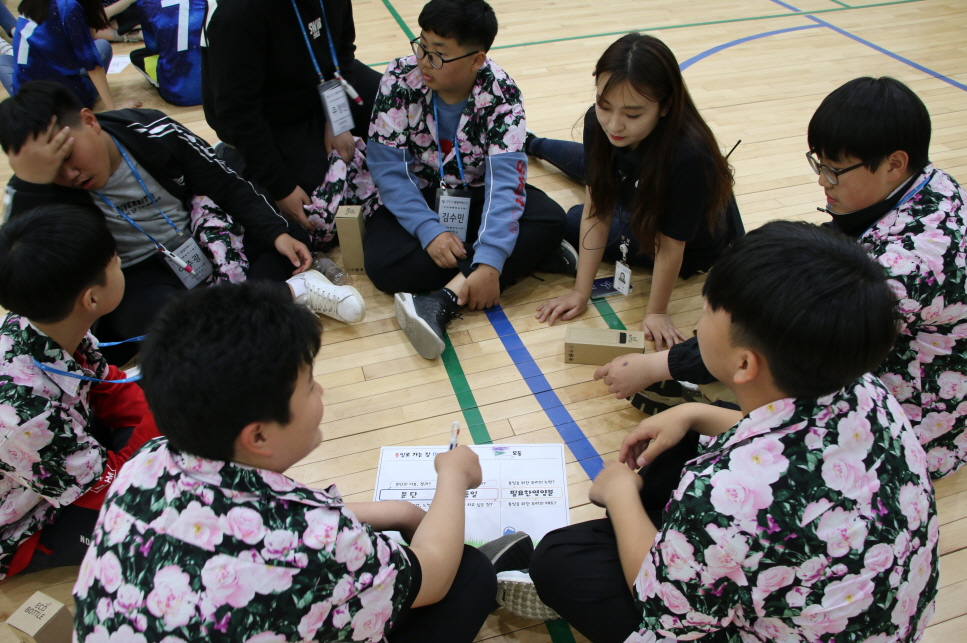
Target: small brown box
(351, 229)
(41, 619)
(600, 345)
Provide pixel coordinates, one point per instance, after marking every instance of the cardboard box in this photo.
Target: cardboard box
(351, 228)
(600, 345)
(41, 619)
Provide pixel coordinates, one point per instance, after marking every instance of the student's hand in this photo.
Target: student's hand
(461, 464)
(655, 435)
(627, 374)
(660, 329)
(445, 249)
(344, 144)
(295, 251)
(564, 307)
(291, 207)
(481, 289)
(41, 156)
(614, 479)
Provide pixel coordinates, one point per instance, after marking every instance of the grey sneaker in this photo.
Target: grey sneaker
(424, 319)
(563, 261)
(516, 592)
(325, 298)
(510, 552)
(661, 396)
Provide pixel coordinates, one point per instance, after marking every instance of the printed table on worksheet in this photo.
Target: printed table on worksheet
(524, 487)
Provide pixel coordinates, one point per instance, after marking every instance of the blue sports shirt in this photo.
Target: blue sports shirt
(173, 30)
(57, 50)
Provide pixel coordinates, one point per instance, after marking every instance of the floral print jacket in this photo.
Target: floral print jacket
(48, 459)
(922, 245)
(189, 549)
(809, 520)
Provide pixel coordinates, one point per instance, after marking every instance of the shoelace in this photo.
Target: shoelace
(320, 300)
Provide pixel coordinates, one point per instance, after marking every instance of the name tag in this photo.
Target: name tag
(453, 206)
(622, 278)
(191, 254)
(337, 106)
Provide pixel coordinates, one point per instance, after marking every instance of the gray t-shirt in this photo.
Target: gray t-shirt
(124, 191)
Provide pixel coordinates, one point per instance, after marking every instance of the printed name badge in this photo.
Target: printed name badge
(337, 107)
(191, 254)
(622, 278)
(453, 206)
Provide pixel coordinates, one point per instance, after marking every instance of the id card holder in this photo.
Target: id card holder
(622, 278)
(336, 104)
(453, 206)
(191, 254)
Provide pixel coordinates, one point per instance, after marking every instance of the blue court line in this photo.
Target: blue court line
(714, 50)
(586, 455)
(875, 47)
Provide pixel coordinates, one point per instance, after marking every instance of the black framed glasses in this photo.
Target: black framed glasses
(831, 175)
(435, 58)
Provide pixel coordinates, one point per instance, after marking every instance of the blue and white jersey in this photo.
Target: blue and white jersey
(56, 50)
(173, 30)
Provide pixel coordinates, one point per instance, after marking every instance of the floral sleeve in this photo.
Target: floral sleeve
(506, 124)
(390, 120)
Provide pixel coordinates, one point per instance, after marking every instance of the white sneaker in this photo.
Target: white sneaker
(516, 592)
(323, 297)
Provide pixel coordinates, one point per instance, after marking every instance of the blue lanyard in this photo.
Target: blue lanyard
(456, 146)
(123, 341)
(332, 47)
(57, 371)
(144, 187)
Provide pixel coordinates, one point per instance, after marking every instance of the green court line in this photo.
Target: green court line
(610, 317)
(458, 380)
(704, 24)
(399, 19)
(843, 4)
(560, 631)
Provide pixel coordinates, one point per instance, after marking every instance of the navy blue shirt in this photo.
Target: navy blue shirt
(57, 50)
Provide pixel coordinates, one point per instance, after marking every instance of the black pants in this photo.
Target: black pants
(397, 262)
(149, 284)
(577, 570)
(302, 143)
(462, 612)
(64, 542)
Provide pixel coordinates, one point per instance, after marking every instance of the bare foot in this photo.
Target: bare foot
(129, 104)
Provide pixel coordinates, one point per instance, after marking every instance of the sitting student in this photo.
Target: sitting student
(203, 522)
(657, 182)
(871, 137)
(153, 179)
(65, 428)
(465, 129)
(171, 57)
(807, 515)
(54, 41)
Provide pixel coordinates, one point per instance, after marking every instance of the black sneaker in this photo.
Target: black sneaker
(661, 396)
(510, 552)
(563, 261)
(424, 319)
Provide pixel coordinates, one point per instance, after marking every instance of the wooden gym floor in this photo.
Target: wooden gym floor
(757, 70)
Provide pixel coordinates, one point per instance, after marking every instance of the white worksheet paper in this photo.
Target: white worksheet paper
(118, 64)
(524, 487)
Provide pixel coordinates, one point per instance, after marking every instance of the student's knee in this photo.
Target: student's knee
(573, 224)
(551, 555)
(477, 569)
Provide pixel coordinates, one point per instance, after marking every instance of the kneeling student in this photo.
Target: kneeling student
(65, 426)
(809, 514)
(204, 537)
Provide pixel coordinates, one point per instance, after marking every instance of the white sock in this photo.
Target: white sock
(298, 285)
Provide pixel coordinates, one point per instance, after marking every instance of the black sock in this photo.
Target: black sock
(450, 298)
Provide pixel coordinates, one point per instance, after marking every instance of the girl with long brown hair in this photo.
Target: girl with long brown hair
(656, 180)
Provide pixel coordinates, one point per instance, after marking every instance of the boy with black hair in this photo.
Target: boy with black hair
(448, 117)
(65, 428)
(203, 537)
(155, 181)
(868, 143)
(808, 514)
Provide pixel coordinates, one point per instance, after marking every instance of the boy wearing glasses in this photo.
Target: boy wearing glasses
(446, 152)
(869, 143)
